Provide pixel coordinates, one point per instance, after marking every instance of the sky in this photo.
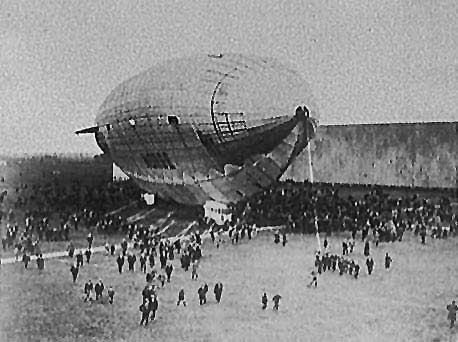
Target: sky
(366, 61)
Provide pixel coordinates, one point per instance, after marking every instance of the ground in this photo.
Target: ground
(406, 303)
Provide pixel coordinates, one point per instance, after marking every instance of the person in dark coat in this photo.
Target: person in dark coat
(366, 249)
(112, 249)
(88, 254)
(40, 262)
(111, 294)
(25, 260)
(276, 300)
(163, 260)
(87, 290)
(356, 271)
(388, 261)
(71, 249)
(168, 271)
(181, 298)
(98, 288)
(147, 293)
(143, 263)
(177, 244)
(120, 262)
(423, 234)
(370, 265)
(79, 259)
(90, 239)
(145, 309)
(194, 274)
(74, 270)
(201, 294)
(264, 301)
(151, 260)
(131, 258)
(218, 291)
(154, 306)
(452, 309)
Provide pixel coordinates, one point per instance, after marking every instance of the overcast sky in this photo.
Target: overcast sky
(366, 61)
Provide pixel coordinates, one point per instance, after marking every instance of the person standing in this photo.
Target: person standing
(264, 301)
(181, 298)
(88, 254)
(388, 261)
(200, 292)
(145, 309)
(154, 306)
(79, 259)
(452, 309)
(40, 262)
(74, 269)
(120, 262)
(71, 249)
(87, 290)
(366, 249)
(194, 271)
(98, 288)
(25, 260)
(370, 265)
(168, 271)
(276, 300)
(423, 234)
(90, 239)
(143, 263)
(218, 291)
(111, 294)
(131, 258)
(356, 271)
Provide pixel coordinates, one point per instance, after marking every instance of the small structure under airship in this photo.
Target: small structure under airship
(208, 127)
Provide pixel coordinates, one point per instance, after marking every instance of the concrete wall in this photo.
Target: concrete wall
(417, 154)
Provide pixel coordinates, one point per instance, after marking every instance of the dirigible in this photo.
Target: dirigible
(207, 127)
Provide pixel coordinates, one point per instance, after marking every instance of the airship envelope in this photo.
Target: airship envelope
(207, 127)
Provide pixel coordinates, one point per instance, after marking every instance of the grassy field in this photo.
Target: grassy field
(406, 303)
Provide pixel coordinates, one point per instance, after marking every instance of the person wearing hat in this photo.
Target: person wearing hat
(154, 306)
(120, 262)
(99, 287)
(88, 289)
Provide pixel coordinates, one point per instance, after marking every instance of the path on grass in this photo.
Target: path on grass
(182, 235)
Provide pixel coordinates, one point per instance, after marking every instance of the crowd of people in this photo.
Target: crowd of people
(338, 209)
(375, 216)
(53, 212)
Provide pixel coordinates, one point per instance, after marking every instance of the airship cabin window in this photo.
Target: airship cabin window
(173, 120)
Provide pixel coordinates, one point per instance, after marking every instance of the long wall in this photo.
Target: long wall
(412, 154)
(40, 170)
